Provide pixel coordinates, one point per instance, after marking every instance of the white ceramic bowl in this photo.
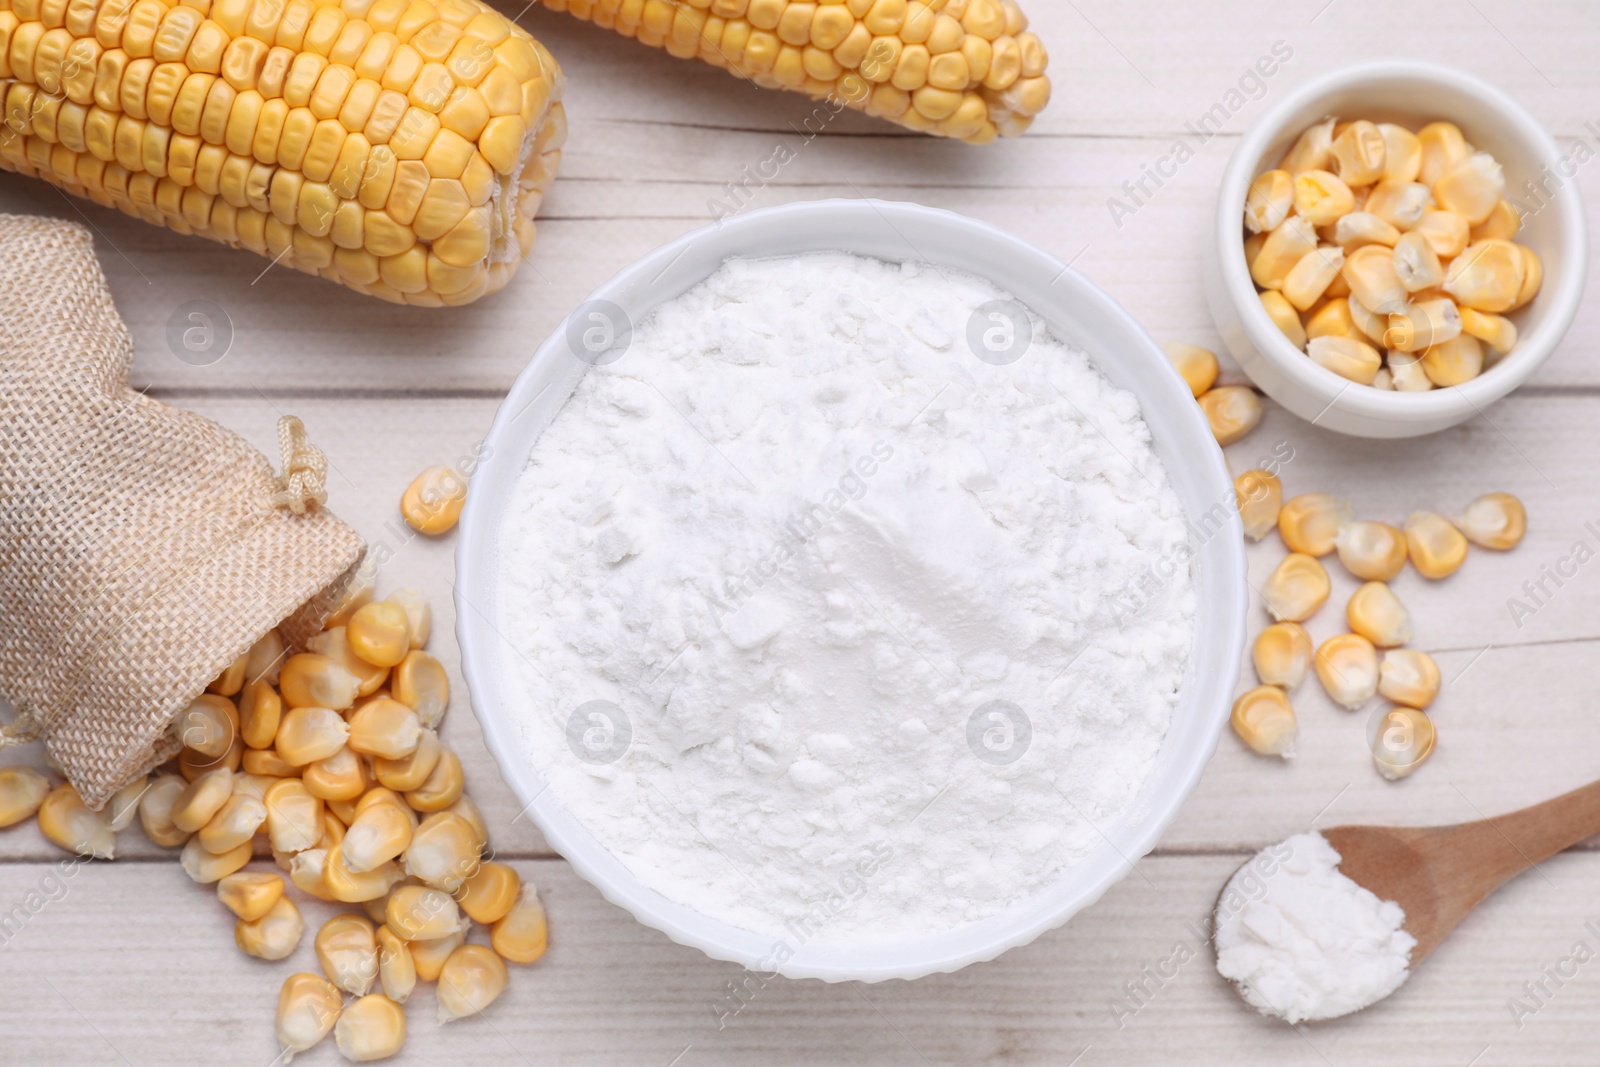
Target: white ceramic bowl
(1077, 312)
(1410, 93)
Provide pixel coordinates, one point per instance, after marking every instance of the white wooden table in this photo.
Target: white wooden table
(128, 962)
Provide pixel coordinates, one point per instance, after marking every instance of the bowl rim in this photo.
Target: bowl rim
(1336, 392)
(1226, 614)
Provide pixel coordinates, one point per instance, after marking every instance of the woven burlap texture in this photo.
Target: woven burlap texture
(142, 548)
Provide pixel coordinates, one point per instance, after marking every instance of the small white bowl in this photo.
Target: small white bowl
(1411, 93)
(1077, 312)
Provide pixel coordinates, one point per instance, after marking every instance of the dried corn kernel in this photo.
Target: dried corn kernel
(1446, 233)
(250, 895)
(473, 978)
(308, 1007)
(385, 728)
(1308, 279)
(206, 867)
(1377, 614)
(422, 913)
(341, 776)
(1372, 325)
(294, 816)
(22, 791)
(202, 799)
(1400, 204)
(1487, 276)
(396, 970)
(1503, 222)
(208, 725)
(1373, 280)
(306, 872)
(273, 936)
(522, 934)
(358, 592)
(1232, 411)
(313, 681)
(443, 787)
(155, 811)
(1264, 719)
(234, 824)
(1408, 373)
(1408, 677)
(380, 633)
(307, 734)
(1532, 277)
(231, 680)
(260, 711)
(1404, 739)
(1348, 358)
(1496, 331)
(1321, 196)
(1310, 522)
(264, 661)
(1333, 319)
(1312, 150)
(378, 834)
(490, 893)
(347, 949)
(1373, 551)
(1422, 325)
(1296, 588)
(335, 644)
(1363, 228)
(1359, 153)
(1284, 317)
(1282, 250)
(421, 684)
(1347, 667)
(67, 822)
(1451, 362)
(1417, 263)
(443, 851)
(1494, 520)
(1442, 145)
(1268, 202)
(1471, 187)
(409, 772)
(428, 957)
(419, 616)
(352, 888)
(432, 503)
(1402, 153)
(1197, 366)
(1281, 655)
(1259, 496)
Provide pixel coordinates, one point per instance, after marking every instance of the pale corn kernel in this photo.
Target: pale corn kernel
(341, 776)
(358, 593)
(489, 894)
(421, 684)
(208, 724)
(1282, 249)
(273, 936)
(1373, 281)
(1264, 719)
(1332, 318)
(306, 871)
(1369, 323)
(1420, 325)
(1404, 739)
(1360, 228)
(378, 835)
(347, 949)
(1377, 614)
(1446, 233)
(443, 851)
(307, 734)
(379, 633)
(1494, 520)
(294, 816)
(308, 1007)
(1258, 494)
(313, 681)
(1487, 276)
(1402, 153)
(468, 810)
(1252, 247)
(1532, 277)
(264, 661)
(1347, 357)
(432, 502)
(233, 825)
(1308, 279)
(1503, 223)
(1442, 145)
(1383, 380)
(419, 616)
(232, 678)
(246, 784)
(1372, 551)
(1416, 263)
(249, 894)
(396, 970)
(1269, 200)
(1195, 365)
(1400, 204)
(1460, 359)
(1313, 149)
(409, 772)
(22, 791)
(206, 867)
(422, 913)
(443, 787)
(352, 888)
(266, 763)
(260, 711)
(428, 957)
(155, 811)
(1496, 331)
(202, 799)
(1321, 196)
(335, 644)
(473, 978)
(1471, 187)
(1281, 655)
(1347, 667)
(1283, 316)
(380, 795)
(1297, 588)
(1359, 153)
(1232, 411)
(1408, 677)
(67, 822)
(386, 728)
(522, 934)
(1310, 522)
(1408, 373)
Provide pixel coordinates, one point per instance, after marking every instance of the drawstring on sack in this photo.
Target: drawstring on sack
(305, 469)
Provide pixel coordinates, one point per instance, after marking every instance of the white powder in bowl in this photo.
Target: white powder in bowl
(827, 627)
(1302, 941)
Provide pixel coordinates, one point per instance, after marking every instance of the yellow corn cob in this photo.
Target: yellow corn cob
(400, 147)
(958, 68)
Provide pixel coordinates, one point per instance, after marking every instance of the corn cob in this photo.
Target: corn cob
(957, 68)
(400, 147)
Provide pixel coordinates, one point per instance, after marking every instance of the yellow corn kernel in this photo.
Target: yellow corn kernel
(124, 804)
(1232, 411)
(1496, 331)
(396, 969)
(1402, 153)
(1264, 719)
(1421, 325)
(409, 772)
(1442, 146)
(1310, 523)
(1452, 362)
(1494, 520)
(307, 734)
(333, 830)
(379, 795)
(358, 593)
(1321, 196)
(266, 763)
(1284, 317)
(1195, 365)
(473, 978)
(294, 816)
(1332, 318)
(1446, 233)
(231, 680)
(1258, 494)
(233, 825)
(308, 1008)
(347, 949)
(1297, 588)
(1487, 276)
(522, 934)
(352, 888)
(422, 913)
(341, 776)
(443, 787)
(155, 811)
(335, 644)
(443, 851)
(1309, 278)
(66, 822)
(1312, 150)
(205, 866)
(1281, 655)
(1373, 280)
(1359, 153)
(208, 725)
(306, 871)
(1532, 277)
(1345, 356)
(250, 895)
(432, 502)
(1269, 201)
(1503, 223)
(1368, 323)
(1408, 677)
(1282, 249)
(202, 799)
(1400, 204)
(192, 764)
(1404, 739)
(1347, 667)
(22, 791)
(260, 711)
(1471, 187)
(273, 936)
(379, 834)
(1363, 228)
(313, 681)
(490, 893)
(1377, 614)
(1407, 372)
(379, 633)
(1416, 263)
(386, 728)
(419, 616)
(1372, 551)
(428, 957)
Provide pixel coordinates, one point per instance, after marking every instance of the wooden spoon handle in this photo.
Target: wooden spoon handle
(1510, 844)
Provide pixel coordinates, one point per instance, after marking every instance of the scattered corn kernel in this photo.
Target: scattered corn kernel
(432, 503)
(232, 678)
(443, 787)
(1400, 204)
(260, 711)
(264, 661)
(313, 681)
(421, 684)
(1408, 372)
(341, 776)
(1359, 153)
(205, 866)
(380, 633)
(250, 895)
(208, 725)
(67, 822)
(409, 772)
(472, 979)
(1377, 614)
(1373, 551)
(1310, 278)
(1297, 588)
(378, 835)
(273, 936)
(422, 913)
(419, 616)
(443, 851)
(490, 893)
(1310, 522)
(1417, 263)
(306, 871)
(522, 934)
(308, 1007)
(1197, 366)
(294, 816)
(1446, 233)
(1442, 145)
(234, 824)
(1402, 153)
(1494, 520)
(1363, 228)
(1404, 740)
(347, 949)
(349, 887)
(358, 592)
(1233, 411)
(1258, 494)
(335, 644)
(1408, 677)
(310, 733)
(1488, 276)
(428, 957)
(1281, 655)
(155, 811)
(1264, 719)
(396, 970)
(1347, 667)
(384, 727)
(22, 791)
(1373, 280)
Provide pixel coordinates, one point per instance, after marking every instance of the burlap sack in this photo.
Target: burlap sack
(142, 548)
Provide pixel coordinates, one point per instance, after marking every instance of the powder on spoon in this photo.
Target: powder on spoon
(1303, 941)
(829, 628)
